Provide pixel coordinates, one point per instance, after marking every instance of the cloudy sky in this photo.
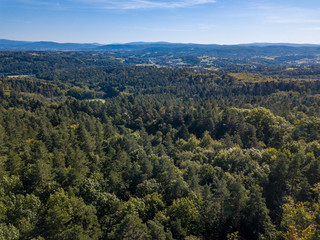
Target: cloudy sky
(196, 21)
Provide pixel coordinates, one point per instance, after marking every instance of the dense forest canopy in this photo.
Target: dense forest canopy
(96, 146)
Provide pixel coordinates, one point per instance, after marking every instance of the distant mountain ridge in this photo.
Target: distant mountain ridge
(141, 50)
(280, 44)
(13, 45)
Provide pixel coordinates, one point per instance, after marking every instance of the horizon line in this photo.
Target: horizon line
(159, 42)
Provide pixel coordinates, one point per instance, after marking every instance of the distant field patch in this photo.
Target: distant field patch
(290, 69)
(98, 99)
(252, 77)
(18, 76)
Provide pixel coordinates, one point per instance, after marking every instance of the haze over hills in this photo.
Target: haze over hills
(13, 45)
(185, 54)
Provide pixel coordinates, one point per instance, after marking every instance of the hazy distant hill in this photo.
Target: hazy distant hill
(165, 48)
(135, 46)
(229, 51)
(279, 44)
(11, 45)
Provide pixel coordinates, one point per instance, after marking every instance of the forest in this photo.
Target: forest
(92, 147)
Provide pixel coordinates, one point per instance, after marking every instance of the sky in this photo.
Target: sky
(186, 21)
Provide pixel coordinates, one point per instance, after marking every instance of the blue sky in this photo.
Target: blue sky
(196, 21)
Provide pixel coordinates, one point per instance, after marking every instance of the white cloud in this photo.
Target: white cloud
(143, 4)
(206, 26)
(183, 28)
(294, 16)
(314, 29)
(37, 4)
(284, 14)
(157, 29)
(112, 4)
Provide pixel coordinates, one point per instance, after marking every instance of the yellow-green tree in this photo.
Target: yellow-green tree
(298, 221)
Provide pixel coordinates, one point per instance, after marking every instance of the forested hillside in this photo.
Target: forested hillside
(92, 147)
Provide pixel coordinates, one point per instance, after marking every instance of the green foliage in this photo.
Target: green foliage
(298, 221)
(187, 212)
(69, 218)
(90, 150)
(25, 213)
(131, 227)
(9, 232)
